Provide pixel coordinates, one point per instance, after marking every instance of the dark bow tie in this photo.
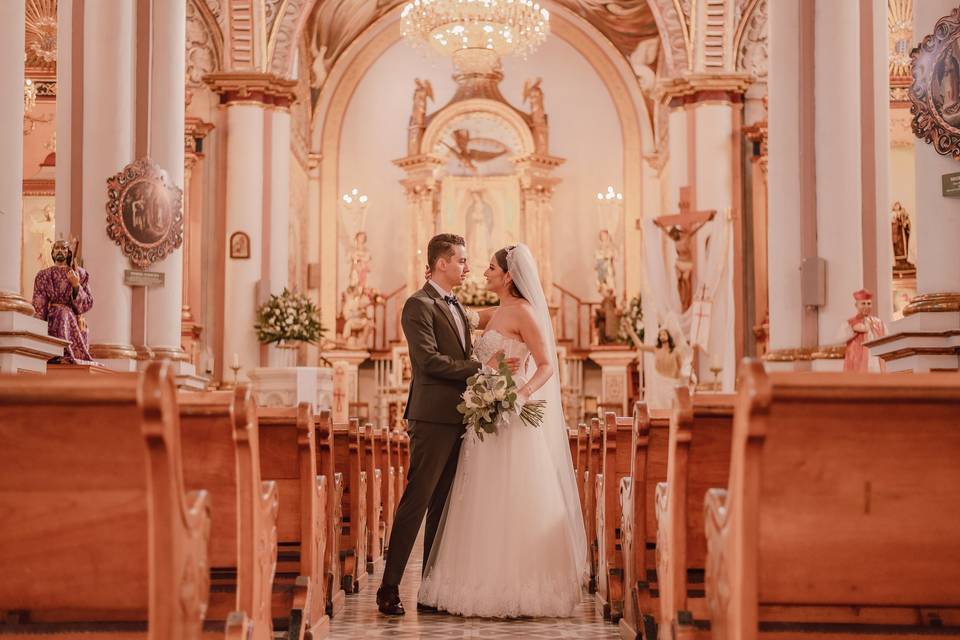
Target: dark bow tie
(451, 300)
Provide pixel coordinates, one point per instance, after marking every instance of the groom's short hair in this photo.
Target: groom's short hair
(441, 246)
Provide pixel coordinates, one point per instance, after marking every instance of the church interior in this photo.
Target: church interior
(745, 219)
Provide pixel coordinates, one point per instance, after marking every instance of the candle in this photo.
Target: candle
(716, 361)
(236, 361)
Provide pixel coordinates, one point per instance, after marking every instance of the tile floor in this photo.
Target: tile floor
(360, 618)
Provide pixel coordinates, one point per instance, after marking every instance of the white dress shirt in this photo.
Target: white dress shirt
(455, 311)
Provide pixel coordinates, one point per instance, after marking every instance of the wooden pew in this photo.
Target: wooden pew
(334, 512)
(288, 457)
(385, 461)
(99, 537)
(701, 429)
(374, 515)
(594, 459)
(220, 443)
(615, 461)
(348, 460)
(648, 466)
(842, 509)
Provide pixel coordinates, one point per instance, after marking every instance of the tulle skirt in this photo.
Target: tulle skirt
(504, 548)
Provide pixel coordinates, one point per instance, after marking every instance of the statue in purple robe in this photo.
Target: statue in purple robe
(61, 295)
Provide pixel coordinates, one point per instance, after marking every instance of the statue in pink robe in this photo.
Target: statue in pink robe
(61, 295)
(857, 331)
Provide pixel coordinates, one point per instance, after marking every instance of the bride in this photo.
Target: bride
(512, 541)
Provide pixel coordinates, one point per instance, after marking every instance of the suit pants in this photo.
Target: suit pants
(434, 451)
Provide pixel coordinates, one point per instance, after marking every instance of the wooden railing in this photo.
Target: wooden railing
(386, 319)
(573, 322)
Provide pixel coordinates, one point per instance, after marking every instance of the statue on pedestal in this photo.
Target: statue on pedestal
(862, 328)
(603, 260)
(61, 295)
(360, 259)
(900, 230)
(672, 363)
(357, 312)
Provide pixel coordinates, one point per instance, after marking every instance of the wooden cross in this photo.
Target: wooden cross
(680, 227)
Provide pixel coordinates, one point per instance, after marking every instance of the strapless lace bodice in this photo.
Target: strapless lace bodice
(493, 341)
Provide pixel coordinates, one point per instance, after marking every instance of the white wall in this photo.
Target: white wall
(584, 129)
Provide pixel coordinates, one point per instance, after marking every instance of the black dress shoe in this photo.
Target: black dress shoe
(425, 608)
(388, 601)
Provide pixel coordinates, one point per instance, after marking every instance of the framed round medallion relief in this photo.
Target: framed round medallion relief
(935, 90)
(144, 212)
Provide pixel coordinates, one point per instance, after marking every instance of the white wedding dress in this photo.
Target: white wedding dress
(508, 544)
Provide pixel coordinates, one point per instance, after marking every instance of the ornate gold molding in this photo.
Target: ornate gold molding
(15, 302)
(933, 303)
(51, 340)
(247, 87)
(113, 351)
(701, 87)
(168, 353)
(805, 354)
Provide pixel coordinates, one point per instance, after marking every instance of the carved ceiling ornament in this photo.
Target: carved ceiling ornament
(41, 34)
(204, 43)
(753, 51)
(935, 90)
(673, 26)
(144, 212)
(284, 32)
(625, 23)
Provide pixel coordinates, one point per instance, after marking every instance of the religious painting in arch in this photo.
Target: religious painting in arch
(935, 90)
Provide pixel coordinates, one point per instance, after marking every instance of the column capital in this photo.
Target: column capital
(694, 88)
(251, 87)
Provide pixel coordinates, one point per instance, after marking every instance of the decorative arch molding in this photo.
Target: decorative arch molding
(204, 43)
(675, 35)
(285, 32)
(350, 68)
(518, 127)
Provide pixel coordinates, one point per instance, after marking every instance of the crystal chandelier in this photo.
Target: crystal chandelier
(503, 27)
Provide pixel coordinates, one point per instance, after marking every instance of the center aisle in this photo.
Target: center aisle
(360, 618)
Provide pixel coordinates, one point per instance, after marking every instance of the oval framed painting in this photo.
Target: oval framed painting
(935, 88)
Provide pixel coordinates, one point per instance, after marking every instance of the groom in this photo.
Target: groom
(438, 334)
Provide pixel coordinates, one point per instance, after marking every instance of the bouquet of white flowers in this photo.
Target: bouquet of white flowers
(289, 317)
(490, 396)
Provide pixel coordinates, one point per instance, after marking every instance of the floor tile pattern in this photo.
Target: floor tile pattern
(360, 618)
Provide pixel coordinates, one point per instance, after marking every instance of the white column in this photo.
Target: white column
(244, 201)
(839, 237)
(20, 332)
(784, 213)
(11, 137)
(164, 304)
(928, 337)
(109, 55)
(278, 273)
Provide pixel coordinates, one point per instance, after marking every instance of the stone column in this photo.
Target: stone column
(705, 121)
(422, 196)
(24, 344)
(928, 337)
(828, 232)
(166, 135)
(536, 192)
(192, 323)
(248, 98)
(95, 140)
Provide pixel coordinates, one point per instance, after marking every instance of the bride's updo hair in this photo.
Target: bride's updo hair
(501, 257)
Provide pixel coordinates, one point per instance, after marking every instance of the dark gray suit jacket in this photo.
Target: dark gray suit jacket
(441, 365)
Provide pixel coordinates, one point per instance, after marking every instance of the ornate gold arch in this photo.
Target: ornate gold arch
(350, 68)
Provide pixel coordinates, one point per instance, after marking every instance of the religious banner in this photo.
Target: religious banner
(144, 212)
(700, 319)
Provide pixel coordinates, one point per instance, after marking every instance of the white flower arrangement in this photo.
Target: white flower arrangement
(473, 293)
(473, 319)
(288, 317)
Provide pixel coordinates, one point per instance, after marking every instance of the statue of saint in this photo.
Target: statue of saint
(900, 229)
(670, 361)
(418, 116)
(61, 295)
(357, 318)
(859, 329)
(682, 236)
(533, 94)
(360, 259)
(479, 225)
(603, 261)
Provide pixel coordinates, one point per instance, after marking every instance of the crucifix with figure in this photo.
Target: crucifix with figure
(680, 227)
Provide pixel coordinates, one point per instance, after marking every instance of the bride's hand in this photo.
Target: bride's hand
(522, 398)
